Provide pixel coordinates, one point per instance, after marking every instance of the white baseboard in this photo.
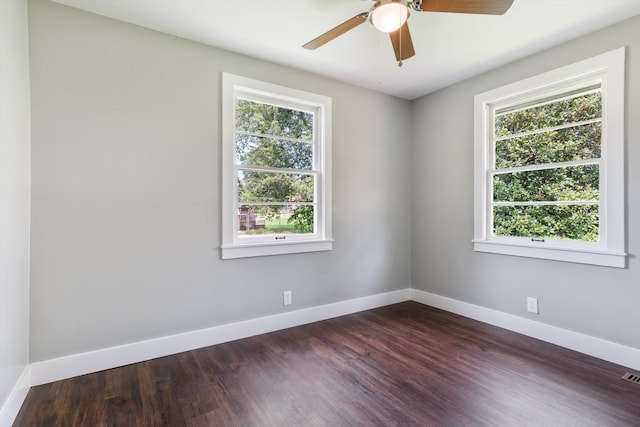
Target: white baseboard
(94, 361)
(84, 363)
(12, 405)
(596, 347)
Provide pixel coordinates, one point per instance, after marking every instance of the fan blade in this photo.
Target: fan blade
(402, 44)
(347, 25)
(487, 7)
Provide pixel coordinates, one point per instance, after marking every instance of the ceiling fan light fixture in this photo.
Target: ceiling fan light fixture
(389, 15)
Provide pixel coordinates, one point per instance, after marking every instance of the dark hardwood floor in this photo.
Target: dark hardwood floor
(401, 365)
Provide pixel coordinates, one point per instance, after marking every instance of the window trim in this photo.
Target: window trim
(234, 86)
(609, 69)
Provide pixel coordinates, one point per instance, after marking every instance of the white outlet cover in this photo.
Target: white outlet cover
(532, 305)
(286, 298)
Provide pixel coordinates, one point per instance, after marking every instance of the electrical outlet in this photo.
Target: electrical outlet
(532, 305)
(286, 298)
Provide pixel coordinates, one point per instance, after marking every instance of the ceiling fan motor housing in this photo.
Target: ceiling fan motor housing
(415, 5)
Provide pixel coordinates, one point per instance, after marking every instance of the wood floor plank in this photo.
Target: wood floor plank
(401, 365)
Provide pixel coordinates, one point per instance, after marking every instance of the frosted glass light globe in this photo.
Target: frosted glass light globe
(389, 16)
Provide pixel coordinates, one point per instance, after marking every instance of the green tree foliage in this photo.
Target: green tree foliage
(575, 222)
(579, 183)
(550, 114)
(302, 219)
(555, 146)
(546, 134)
(279, 139)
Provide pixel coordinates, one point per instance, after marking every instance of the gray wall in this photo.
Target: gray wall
(126, 189)
(597, 301)
(14, 195)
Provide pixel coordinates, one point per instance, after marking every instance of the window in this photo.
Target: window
(276, 169)
(549, 165)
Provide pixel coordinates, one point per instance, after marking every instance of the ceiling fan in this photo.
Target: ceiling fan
(390, 16)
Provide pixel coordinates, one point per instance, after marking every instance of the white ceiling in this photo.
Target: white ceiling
(449, 47)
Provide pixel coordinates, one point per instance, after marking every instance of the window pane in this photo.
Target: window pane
(576, 183)
(573, 222)
(563, 145)
(275, 219)
(274, 187)
(265, 119)
(577, 109)
(273, 153)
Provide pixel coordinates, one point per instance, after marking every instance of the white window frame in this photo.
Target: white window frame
(608, 69)
(234, 87)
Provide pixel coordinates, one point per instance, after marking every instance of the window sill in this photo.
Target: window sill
(601, 258)
(268, 249)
